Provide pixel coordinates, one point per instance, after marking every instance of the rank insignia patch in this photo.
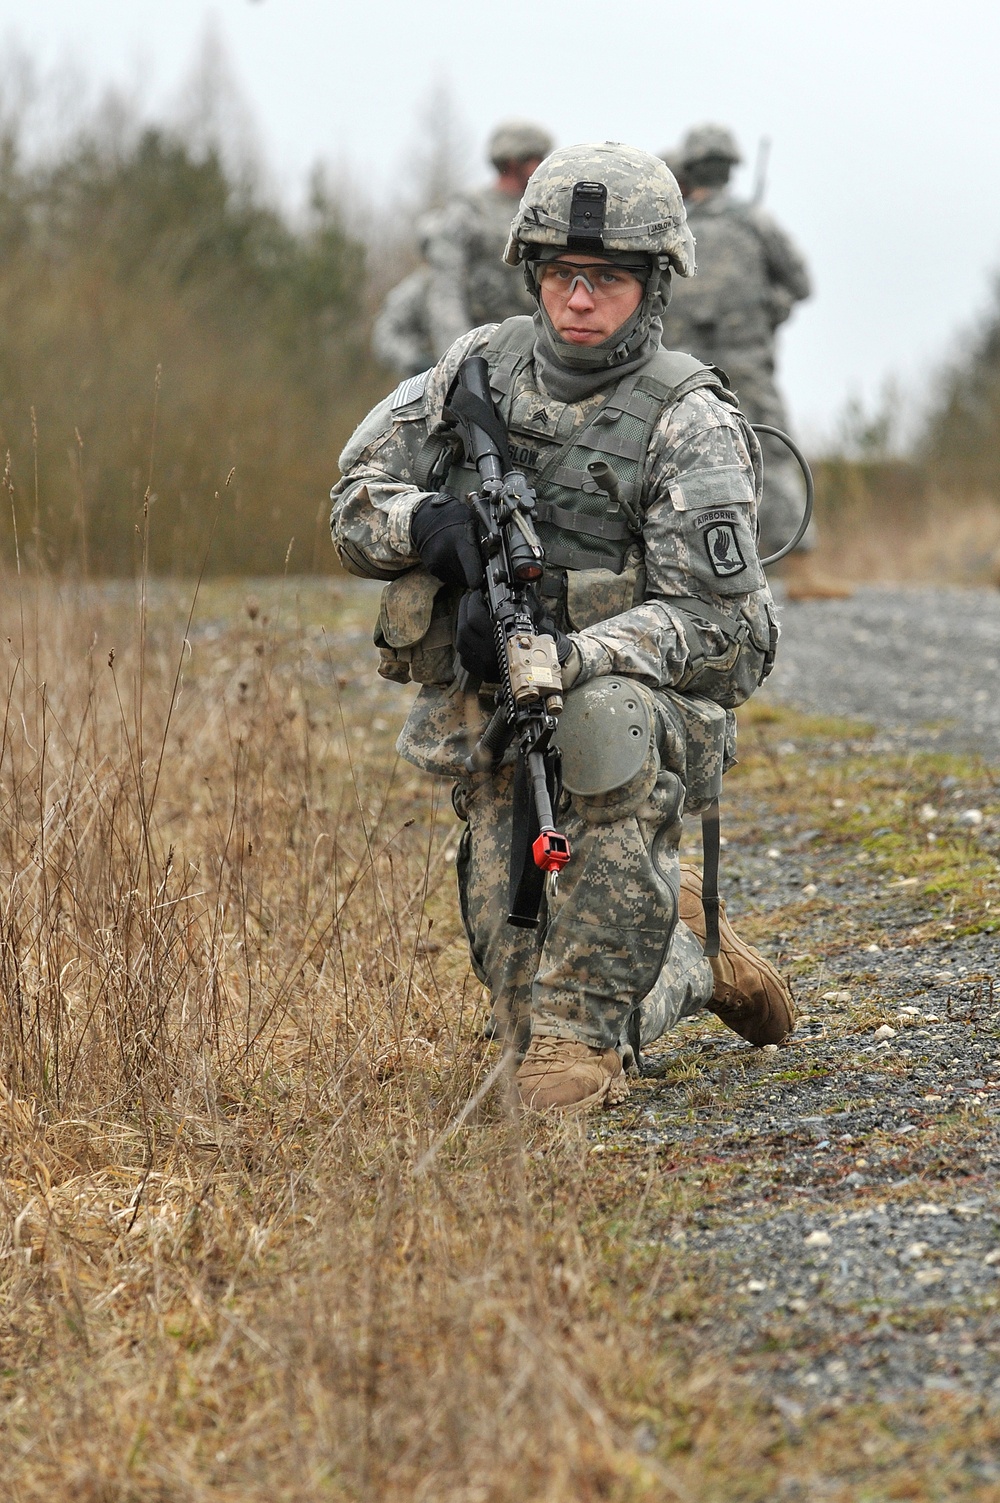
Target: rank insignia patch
(723, 550)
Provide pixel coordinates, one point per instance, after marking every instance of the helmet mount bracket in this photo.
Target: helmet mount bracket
(586, 218)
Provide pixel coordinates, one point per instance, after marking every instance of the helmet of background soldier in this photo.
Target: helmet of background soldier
(671, 155)
(708, 141)
(517, 141)
(603, 199)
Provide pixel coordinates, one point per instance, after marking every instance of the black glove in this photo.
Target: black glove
(476, 643)
(564, 644)
(474, 639)
(443, 532)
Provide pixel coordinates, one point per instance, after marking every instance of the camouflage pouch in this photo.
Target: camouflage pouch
(415, 632)
(729, 677)
(594, 595)
(697, 740)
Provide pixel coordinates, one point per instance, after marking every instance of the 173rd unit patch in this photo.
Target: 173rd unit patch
(723, 550)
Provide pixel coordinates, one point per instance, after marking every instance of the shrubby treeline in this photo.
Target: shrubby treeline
(922, 504)
(961, 437)
(161, 326)
(166, 329)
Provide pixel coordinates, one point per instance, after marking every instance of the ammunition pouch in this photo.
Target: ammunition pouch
(415, 632)
(696, 738)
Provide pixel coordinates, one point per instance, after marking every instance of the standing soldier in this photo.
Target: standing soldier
(750, 276)
(647, 478)
(469, 283)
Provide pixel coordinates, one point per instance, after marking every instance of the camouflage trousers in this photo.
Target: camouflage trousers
(609, 940)
(751, 377)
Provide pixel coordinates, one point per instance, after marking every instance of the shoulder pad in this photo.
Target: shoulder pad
(515, 335)
(508, 348)
(673, 367)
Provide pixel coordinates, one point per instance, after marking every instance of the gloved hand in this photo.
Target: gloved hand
(564, 644)
(567, 652)
(443, 532)
(476, 643)
(474, 640)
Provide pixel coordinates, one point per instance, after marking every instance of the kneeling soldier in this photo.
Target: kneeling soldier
(648, 480)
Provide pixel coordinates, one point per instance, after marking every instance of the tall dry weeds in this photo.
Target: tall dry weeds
(246, 1251)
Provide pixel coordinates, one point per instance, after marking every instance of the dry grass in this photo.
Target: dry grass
(887, 523)
(957, 543)
(245, 1251)
(230, 1268)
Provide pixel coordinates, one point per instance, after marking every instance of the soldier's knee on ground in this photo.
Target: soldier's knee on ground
(624, 812)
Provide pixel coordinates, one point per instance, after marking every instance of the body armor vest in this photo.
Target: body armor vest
(586, 463)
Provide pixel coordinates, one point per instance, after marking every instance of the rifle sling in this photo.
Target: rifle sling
(465, 406)
(527, 880)
(710, 844)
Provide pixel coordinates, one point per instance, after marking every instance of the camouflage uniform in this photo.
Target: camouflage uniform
(667, 608)
(401, 336)
(750, 276)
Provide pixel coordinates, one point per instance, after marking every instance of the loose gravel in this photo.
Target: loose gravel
(856, 1237)
(919, 664)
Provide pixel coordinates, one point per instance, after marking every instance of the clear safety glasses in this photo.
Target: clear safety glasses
(602, 282)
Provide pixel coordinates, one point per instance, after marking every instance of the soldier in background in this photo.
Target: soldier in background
(401, 335)
(469, 284)
(750, 276)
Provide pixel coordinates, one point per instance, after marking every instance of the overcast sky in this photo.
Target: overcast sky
(885, 162)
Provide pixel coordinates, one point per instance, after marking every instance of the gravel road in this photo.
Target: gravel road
(845, 1216)
(854, 1240)
(919, 664)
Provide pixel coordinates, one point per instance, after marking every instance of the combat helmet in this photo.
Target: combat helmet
(517, 141)
(705, 141)
(603, 199)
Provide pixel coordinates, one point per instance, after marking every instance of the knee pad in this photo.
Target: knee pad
(607, 742)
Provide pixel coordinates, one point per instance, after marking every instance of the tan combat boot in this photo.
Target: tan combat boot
(803, 581)
(564, 1076)
(750, 996)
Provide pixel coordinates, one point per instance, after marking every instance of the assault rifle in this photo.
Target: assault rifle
(530, 694)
